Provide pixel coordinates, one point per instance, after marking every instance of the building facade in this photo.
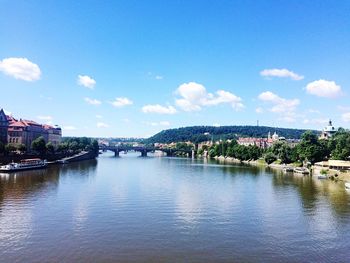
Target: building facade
(4, 123)
(328, 131)
(266, 142)
(15, 132)
(54, 134)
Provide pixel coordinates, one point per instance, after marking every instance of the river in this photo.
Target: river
(158, 209)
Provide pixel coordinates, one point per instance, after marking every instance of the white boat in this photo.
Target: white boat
(288, 169)
(322, 176)
(347, 186)
(25, 164)
(301, 170)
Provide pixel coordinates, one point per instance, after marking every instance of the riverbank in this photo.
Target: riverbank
(71, 157)
(331, 173)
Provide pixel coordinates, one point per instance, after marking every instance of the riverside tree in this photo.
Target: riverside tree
(39, 145)
(310, 148)
(340, 145)
(270, 157)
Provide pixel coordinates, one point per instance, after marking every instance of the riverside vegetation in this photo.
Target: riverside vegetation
(69, 146)
(311, 149)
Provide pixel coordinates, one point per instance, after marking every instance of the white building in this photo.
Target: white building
(328, 131)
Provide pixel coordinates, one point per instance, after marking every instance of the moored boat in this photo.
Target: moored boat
(288, 169)
(301, 170)
(25, 164)
(322, 176)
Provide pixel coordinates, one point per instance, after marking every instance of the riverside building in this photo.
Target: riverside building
(15, 132)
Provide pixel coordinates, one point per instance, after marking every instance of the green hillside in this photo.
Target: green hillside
(204, 133)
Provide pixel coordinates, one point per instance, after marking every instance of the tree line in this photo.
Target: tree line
(197, 134)
(310, 149)
(68, 145)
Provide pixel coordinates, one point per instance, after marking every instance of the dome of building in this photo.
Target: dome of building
(329, 127)
(275, 136)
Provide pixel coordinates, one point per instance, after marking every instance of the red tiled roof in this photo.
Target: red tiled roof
(29, 122)
(17, 124)
(46, 126)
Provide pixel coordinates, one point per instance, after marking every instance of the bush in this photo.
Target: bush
(270, 158)
(323, 171)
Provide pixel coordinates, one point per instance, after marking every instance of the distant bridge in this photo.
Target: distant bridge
(144, 150)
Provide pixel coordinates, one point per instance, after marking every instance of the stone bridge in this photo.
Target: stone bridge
(144, 150)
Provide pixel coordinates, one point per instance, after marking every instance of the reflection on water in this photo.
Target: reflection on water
(171, 209)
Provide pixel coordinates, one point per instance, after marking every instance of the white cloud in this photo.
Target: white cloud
(102, 125)
(126, 120)
(216, 125)
(69, 128)
(86, 81)
(280, 105)
(164, 123)
(121, 102)
(156, 108)
(158, 77)
(194, 96)
(346, 117)
(317, 121)
(343, 108)
(45, 119)
(161, 123)
(314, 111)
(281, 73)
(93, 101)
(259, 110)
(288, 118)
(20, 68)
(324, 88)
(99, 116)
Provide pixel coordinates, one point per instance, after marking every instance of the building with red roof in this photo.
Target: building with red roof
(22, 131)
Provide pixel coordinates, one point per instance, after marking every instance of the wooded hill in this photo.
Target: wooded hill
(204, 133)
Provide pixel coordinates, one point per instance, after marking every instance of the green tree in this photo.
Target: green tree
(74, 146)
(285, 153)
(270, 157)
(212, 153)
(9, 148)
(310, 148)
(21, 147)
(254, 152)
(95, 147)
(39, 145)
(2, 148)
(50, 148)
(62, 147)
(341, 142)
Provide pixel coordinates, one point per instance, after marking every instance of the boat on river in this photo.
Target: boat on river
(288, 169)
(301, 170)
(26, 164)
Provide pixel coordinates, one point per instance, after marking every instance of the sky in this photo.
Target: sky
(133, 68)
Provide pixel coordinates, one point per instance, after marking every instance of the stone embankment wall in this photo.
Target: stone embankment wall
(82, 157)
(48, 157)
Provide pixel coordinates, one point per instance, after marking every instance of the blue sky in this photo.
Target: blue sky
(133, 68)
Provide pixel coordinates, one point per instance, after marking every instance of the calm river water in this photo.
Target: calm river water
(158, 209)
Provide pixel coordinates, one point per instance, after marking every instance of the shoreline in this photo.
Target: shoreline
(52, 158)
(314, 171)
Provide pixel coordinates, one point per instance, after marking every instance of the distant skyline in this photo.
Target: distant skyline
(133, 68)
